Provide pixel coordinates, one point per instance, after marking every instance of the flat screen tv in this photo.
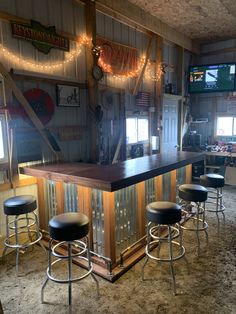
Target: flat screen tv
(212, 78)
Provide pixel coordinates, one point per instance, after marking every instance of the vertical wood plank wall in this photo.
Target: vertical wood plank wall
(188, 173)
(43, 220)
(141, 208)
(85, 207)
(109, 225)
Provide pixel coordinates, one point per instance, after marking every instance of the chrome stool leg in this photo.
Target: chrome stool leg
(90, 265)
(49, 270)
(17, 244)
(69, 271)
(7, 237)
(146, 250)
(171, 258)
(215, 199)
(39, 235)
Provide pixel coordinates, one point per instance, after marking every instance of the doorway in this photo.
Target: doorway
(170, 125)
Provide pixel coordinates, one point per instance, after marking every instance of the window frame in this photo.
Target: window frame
(233, 116)
(3, 120)
(138, 118)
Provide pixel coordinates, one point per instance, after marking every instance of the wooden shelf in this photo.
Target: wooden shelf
(173, 96)
(212, 166)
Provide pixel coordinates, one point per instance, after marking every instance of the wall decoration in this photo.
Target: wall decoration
(68, 95)
(43, 38)
(142, 99)
(117, 58)
(42, 104)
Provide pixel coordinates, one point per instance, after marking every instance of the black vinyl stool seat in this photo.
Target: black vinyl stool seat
(193, 198)
(25, 221)
(214, 183)
(163, 228)
(68, 229)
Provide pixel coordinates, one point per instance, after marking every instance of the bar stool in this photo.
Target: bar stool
(214, 183)
(25, 222)
(163, 227)
(67, 229)
(192, 196)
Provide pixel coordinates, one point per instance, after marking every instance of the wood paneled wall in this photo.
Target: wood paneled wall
(68, 16)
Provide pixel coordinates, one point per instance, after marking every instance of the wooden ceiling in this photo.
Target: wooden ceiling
(203, 21)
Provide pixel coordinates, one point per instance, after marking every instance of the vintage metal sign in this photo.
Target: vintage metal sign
(43, 38)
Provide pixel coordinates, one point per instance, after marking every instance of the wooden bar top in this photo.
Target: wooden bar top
(113, 177)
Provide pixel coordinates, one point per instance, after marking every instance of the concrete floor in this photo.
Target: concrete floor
(209, 288)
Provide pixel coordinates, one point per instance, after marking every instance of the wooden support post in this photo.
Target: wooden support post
(173, 186)
(159, 188)
(188, 175)
(85, 207)
(141, 208)
(139, 80)
(60, 197)
(159, 90)
(90, 17)
(109, 225)
(43, 219)
(118, 148)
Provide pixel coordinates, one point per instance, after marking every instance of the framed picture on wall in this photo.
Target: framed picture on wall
(68, 95)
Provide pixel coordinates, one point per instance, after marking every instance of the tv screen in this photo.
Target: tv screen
(212, 78)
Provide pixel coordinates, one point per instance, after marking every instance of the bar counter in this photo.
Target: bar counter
(114, 177)
(114, 198)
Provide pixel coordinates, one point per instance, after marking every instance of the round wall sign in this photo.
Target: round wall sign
(42, 104)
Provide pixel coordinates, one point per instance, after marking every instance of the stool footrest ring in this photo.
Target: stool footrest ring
(25, 245)
(76, 243)
(72, 279)
(174, 258)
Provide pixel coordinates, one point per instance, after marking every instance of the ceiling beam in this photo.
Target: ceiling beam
(128, 12)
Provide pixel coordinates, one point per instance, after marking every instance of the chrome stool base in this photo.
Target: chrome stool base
(198, 218)
(215, 198)
(83, 249)
(12, 240)
(155, 239)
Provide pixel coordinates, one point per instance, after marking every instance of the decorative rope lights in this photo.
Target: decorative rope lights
(151, 72)
(69, 57)
(148, 74)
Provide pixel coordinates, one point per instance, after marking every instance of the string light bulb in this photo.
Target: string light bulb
(68, 57)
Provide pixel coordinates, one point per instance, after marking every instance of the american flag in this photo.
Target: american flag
(143, 99)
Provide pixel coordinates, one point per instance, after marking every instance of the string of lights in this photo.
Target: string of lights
(32, 65)
(151, 73)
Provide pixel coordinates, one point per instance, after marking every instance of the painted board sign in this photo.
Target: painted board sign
(42, 37)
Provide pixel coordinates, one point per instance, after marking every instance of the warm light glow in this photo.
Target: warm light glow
(149, 73)
(69, 57)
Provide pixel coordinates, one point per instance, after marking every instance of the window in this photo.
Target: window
(136, 130)
(226, 126)
(3, 139)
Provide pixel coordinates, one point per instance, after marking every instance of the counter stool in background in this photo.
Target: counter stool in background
(21, 219)
(193, 198)
(214, 184)
(163, 228)
(68, 229)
